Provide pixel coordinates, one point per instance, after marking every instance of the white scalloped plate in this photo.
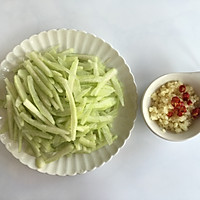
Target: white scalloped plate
(85, 43)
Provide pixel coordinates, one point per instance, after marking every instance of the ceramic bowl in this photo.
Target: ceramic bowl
(191, 79)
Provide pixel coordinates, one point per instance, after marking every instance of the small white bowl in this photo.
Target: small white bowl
(83, 43)
(190, 78)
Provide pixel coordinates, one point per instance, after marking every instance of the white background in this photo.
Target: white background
(155, 37)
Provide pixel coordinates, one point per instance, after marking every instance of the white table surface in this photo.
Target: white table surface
(155, 37)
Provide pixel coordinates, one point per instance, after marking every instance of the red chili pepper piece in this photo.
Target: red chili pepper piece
(195, 112)
(180, 114)
(181, 104)
(189, 102)
(182, 88)
(186, 96)
(183, 109)
(175, 101)
(180, 109)
(170, 114)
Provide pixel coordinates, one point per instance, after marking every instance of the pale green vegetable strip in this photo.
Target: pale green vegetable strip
(85, 150)
(20, 88)
(72, 75)
(93, 119)
(39, 162)
(18, 102)
(86, 114)
(103, 143)
(50, 86)
(46, 146)
(86, 66)
(53, 52)
(43, 97)
(77, 88)
(34, 110)
(9, 93)
(55, 73)
(72, 106)
(112, 72)
(91, 137)
(57, 140)
(11, 88)
(30, 138)
(51, 80)
(118, 89)
(83, 128)
(89, 79)
(105, 103)
(106, 91)
(37, 101)
(81, 72)
(36, 78)
(107, 134)
(82, 94)
(33, 145)
(55, 105)
(15, 132)
(57, 99)
(37, 133)
(10, 116)
(43, 77)
(87, 142)
(100, 135)
(58, 88)
(36, 139)
(62, 61)
(19, 121)
(68, 61)
(22, 73)
(57, 113)
(61, 120)
(83, 57)
(66, 150)
(48, 56)
(87, 111)
(18, 106)
(20, 138)
(95, 66)
(55, 66)
(77, 145)
(43, 127)
(33, 56)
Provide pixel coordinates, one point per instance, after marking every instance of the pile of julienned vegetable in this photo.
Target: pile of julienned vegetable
(60, 103)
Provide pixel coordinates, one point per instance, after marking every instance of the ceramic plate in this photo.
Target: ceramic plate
(83, 43)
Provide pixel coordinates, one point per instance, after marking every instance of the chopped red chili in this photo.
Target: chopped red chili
(182, 88)
(170, 114)
(180, 114)
(175, 101)
(186, 96)
(195, 112)
(189, 102)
